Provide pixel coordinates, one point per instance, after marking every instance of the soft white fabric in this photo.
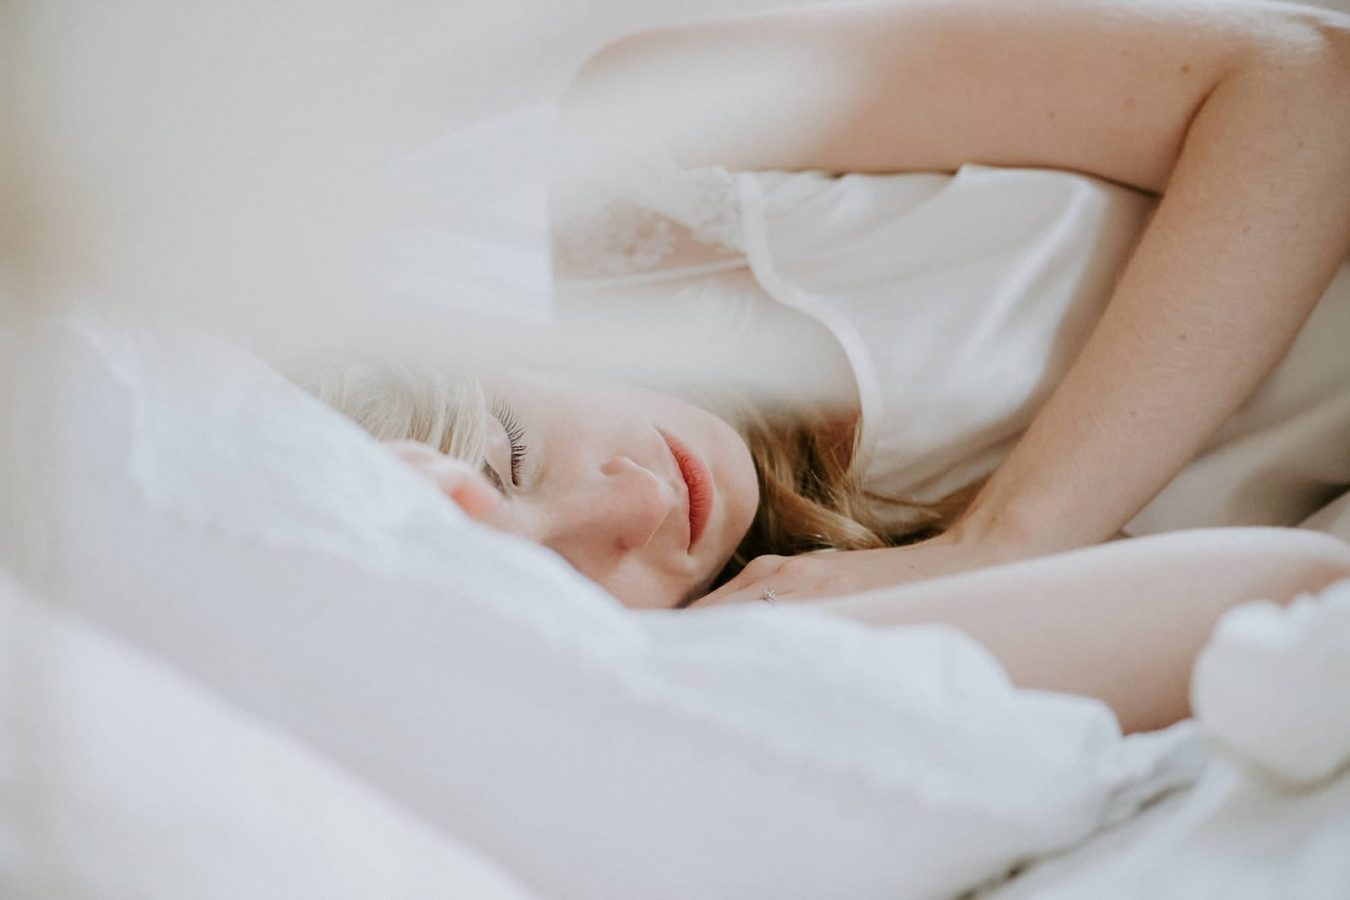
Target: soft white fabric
(1334, 518)
(1271, 685)
(1287, 450)
(1269, 818)
(962, 300)
(1230, 837)
(958, 301)
(217, 518)
(951, 305)
(123, 779)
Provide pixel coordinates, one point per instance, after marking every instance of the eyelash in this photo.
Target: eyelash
(515, 434)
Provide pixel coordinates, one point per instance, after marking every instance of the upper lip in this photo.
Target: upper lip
(697, 485)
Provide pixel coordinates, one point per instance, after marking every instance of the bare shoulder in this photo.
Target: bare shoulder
(1105, 87)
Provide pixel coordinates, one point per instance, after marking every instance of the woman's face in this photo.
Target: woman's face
(645, 494)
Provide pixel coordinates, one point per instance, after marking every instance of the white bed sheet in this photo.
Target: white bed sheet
(123, 779)
(1234, 835)
(223, 523)
(1269, 816)
(1237, 833)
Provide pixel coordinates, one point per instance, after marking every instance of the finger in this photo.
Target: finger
(740, 584)
(467, 487)
(475, 496)
(753, 593)
(459, 481)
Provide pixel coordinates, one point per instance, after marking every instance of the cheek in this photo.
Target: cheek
(742, 485)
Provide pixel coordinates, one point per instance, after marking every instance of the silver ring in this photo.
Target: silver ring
(769, 596)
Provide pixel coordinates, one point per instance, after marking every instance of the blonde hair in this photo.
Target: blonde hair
(442, 409)
(811, 497)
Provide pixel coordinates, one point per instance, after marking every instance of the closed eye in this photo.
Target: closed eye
(515, 434)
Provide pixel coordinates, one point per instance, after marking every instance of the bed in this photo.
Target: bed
(247, 653)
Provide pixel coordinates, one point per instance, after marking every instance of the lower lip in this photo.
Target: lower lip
(699, 482)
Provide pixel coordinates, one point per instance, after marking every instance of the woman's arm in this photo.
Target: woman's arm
(1122, 623)
(1239, 114)
(1254, 222)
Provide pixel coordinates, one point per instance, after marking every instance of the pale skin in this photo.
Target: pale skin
(1235, 114)
(1121, 623)
(1238, 117)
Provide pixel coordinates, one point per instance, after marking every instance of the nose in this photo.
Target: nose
(630, 505)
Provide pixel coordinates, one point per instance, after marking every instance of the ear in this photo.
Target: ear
(459, 481)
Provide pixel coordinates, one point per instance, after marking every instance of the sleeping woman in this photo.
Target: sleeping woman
(1155, 195)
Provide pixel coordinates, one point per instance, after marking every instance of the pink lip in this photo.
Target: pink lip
(699, 483)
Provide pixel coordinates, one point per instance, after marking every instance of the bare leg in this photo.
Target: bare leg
(1121, 622)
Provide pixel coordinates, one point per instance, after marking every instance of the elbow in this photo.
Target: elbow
(595, 105)
(621, 96)
(595, 70)
(1332, 86)
(1312, 45)
(1305, 32)
(1294, 77)
(1336, 41)
(624, 68)
(1312, 561)
(579, 95)
(1330, 34)
(1329, 52)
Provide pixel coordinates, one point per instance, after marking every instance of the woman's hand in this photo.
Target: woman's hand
(469, 490)
(834, 573)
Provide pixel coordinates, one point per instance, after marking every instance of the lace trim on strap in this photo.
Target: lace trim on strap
(705, 202)
(638, 216)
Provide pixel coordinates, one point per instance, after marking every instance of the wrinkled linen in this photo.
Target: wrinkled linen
(962, 300)
(958, 301)
(220, 521)
(1271, 687)
(124, 778)
(1269, 818)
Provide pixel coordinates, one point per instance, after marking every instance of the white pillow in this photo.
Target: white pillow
(1270, 686)
(140, 784)
(218, 517)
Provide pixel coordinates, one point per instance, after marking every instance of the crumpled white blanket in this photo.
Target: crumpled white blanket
(1269, 818)
(214, 517)
(1273, 687)
(123, 778)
